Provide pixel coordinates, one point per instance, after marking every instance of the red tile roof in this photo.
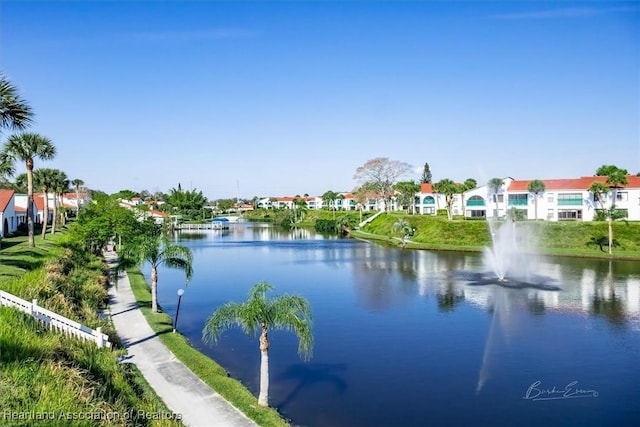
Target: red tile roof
(426, 188)
(5, 198)
(38, 199)
(581, 183)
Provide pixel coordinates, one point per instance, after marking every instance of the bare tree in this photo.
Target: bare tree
(381, 174)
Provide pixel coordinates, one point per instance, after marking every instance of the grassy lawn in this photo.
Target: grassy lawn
(49, 375)
(204, 367)
(554, 238)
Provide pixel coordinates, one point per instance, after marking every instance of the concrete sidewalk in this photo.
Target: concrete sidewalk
(180, 389)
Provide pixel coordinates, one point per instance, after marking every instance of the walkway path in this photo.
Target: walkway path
(180, 389)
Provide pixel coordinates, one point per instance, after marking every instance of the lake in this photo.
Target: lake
(406, 338)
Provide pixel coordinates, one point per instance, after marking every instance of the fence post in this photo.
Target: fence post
(34, 308)
(99, 339)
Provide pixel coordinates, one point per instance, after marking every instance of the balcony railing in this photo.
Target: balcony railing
(569, 202)
(518, 202)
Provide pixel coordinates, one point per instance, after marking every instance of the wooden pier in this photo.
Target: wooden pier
(214, 225)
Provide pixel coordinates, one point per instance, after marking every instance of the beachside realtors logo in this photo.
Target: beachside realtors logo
(537, 391)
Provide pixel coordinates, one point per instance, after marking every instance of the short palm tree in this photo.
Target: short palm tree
(77, 183)
(259, 314)
(26, 147)
(536, 187)
(155, 248)
(15, 113)
(495, 185)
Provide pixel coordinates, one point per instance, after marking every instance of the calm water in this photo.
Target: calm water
(402, 339)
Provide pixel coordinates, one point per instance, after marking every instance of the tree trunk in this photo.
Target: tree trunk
(55, 213)
(263, 398)
(154, 289)
(45, 219)
(77, 201)
(610, 226)
(29, 167)
(535, 202)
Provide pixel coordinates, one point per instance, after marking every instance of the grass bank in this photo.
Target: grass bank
(569, 238)
(203, 366)
(47, 378)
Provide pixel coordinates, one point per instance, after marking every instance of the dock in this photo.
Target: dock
(214, 225)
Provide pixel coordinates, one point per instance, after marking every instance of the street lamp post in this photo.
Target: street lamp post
(180, 293)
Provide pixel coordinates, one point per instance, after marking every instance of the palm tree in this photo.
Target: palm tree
(59, 185)
(449, 189)
(43, 179)
(77, 183)
(495, 185)
(536, 187)
(259, 314)
(155, 248)
(15, 113)
(599, 190)
(616, 177)
(26, 147)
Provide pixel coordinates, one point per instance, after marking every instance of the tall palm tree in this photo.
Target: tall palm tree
(616, 178)
(599, 191)
(77, 183)
(495, 185)
(15, 113)
(155, 248)
(536, 187)
(260, 314)
(59, 185)
(26, 147)
(43, 180)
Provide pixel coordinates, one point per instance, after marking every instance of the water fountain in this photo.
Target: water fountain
(512, 258)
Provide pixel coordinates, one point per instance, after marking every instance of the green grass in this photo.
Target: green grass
(554, 238)
(45, 372)
(204, 367)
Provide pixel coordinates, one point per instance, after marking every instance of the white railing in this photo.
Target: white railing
(371, 218)
(55, 321)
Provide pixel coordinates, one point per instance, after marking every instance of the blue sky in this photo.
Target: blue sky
(290, 97)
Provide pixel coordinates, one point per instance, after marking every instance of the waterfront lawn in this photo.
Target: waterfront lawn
(572, 238)
(204, 367)
(48, 375)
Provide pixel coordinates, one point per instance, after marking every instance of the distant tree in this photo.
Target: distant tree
(449, 189)
(495, 185)
(426, 175)
(187, 203)
(382, 173)
(407, 193)
(15, 112)
(77, 183)
(225, 204)
(606, 170)
(328, 198)
(536, 187)
(126, 194)
(259, 314)
(26, 147)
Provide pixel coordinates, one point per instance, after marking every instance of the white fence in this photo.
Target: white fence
(55, 321)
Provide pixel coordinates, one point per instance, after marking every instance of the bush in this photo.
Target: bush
(441, 212)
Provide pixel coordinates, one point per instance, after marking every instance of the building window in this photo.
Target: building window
(550, 214)
(475, 201)
(518, 199)
(570, 199)
(622, 196)
(430, 211)
(476, 213)
(500, 198)
(569, 214)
